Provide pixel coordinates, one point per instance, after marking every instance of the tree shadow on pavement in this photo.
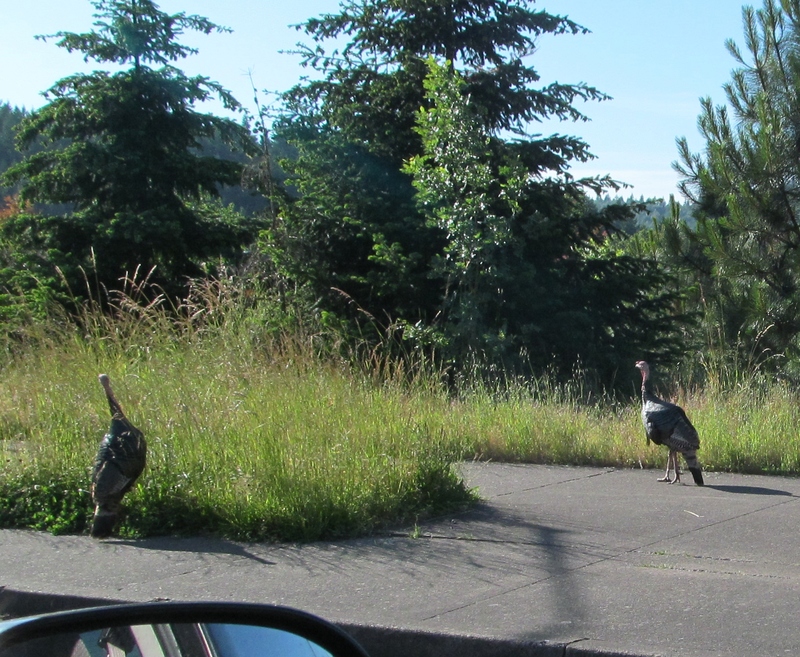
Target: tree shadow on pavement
(532, 560)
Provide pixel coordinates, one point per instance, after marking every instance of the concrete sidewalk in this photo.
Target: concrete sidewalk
(557, 560)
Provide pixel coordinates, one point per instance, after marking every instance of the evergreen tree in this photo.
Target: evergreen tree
(355, 226)
(745, 184)
(122, 150)
(494, 247)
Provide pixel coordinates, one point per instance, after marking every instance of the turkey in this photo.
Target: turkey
(667, 424)
(119, 462)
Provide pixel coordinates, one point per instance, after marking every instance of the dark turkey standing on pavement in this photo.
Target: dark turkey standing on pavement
(119, 462)
(667, 424)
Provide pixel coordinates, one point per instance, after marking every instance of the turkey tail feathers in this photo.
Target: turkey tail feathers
(698, 476)
(103, 523)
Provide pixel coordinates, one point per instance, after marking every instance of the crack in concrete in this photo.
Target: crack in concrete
(709, 570)
(555, 483)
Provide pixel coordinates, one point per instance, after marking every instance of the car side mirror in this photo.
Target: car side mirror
(177, 629)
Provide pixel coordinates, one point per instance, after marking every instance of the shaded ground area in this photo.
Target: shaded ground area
(557, 560)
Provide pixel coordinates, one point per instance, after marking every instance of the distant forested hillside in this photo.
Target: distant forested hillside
(658, 209)
(9, 118)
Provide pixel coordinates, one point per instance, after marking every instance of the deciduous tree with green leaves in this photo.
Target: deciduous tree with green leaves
(471, 204)
(123, 153)
(530, 272)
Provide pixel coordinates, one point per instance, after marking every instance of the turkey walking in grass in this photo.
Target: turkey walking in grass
(667, 424)
(119, 462)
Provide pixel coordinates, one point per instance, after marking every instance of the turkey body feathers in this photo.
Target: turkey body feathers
(120, 460)
(667, 424)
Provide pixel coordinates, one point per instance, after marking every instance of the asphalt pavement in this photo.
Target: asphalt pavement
(555, 561)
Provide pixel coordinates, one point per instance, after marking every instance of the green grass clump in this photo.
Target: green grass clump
(237, 446)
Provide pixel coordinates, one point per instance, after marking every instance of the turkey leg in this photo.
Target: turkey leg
(672, 462)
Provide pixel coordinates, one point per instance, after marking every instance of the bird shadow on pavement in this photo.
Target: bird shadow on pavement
(749, 490)
(199, 545)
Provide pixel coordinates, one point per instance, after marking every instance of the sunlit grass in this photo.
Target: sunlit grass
(256, 433)
(250, 435)
(237, 444)
(749, 431)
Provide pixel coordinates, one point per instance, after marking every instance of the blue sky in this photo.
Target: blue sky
(657, 59)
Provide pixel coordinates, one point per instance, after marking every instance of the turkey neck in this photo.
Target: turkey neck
(647, 393)
(113, 404)
(116, 409)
